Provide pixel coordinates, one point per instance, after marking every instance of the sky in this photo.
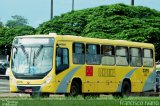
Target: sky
(38, 11)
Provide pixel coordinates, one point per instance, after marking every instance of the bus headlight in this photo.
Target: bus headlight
(47, 81)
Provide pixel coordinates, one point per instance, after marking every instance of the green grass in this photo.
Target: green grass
(79, 101)
(45, 102)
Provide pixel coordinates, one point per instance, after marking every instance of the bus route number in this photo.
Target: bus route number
(104, 72)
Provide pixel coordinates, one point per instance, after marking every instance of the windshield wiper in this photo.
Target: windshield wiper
(37, 54)
(38, 51)
(24, 51)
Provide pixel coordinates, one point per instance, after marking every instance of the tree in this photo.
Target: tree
(16, 27)
(17, 21)
(118, 21)
(1, 24)
(7, 35)
(10, 33)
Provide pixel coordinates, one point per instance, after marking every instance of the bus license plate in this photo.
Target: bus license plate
(28, 90)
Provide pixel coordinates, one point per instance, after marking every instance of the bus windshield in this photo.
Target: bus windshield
(32, 57)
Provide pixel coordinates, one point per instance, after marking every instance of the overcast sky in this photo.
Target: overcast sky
(38, 11)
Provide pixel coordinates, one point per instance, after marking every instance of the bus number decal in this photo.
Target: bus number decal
(104, 72)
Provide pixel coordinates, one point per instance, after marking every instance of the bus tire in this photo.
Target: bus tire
(75, 89)
(126, 89)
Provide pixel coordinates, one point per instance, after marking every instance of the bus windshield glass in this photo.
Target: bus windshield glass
(32, 57)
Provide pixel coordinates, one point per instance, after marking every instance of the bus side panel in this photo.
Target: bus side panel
(122, 72)
(105, 79)
(137, 80)
(149, 79)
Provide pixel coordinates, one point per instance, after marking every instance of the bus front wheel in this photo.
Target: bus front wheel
(75, 89)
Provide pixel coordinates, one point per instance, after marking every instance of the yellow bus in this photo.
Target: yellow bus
(72, 65)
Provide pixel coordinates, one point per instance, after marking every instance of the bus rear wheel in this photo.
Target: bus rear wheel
(126, 89)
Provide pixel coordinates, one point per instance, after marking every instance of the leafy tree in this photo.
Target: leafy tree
(17, 21)
(1, 24)
(2, 33)
(10, 33)
(118, 21)
(50, 26)
(16, 27)
(7, 35)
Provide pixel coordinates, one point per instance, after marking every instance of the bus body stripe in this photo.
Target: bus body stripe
(149, 82)
(128, 75)
(62, 88)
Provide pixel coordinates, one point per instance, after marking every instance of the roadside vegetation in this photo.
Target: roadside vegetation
(118, 21)
(79, 101)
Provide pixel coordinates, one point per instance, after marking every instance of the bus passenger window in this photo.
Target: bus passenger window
(135, 57)
(93, 54)
(62, 59)
(148, 58)
(122, 56)
(78, 53)
(107, 53)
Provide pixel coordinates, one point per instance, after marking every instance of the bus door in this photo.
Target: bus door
(62, 67)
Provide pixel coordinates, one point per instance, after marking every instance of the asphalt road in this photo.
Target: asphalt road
(4, 88)
(4, 85)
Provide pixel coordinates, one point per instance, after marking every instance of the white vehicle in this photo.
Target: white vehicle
(7, 71)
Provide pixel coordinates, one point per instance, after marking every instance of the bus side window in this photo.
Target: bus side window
(148, 58)
(78, 53)
(93, 54)
(122, 58)
(135, 57)
(108, 55)
(62, 59)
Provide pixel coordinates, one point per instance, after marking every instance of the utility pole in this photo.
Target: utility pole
(72, 5)
(132, 2)
(51, 9)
